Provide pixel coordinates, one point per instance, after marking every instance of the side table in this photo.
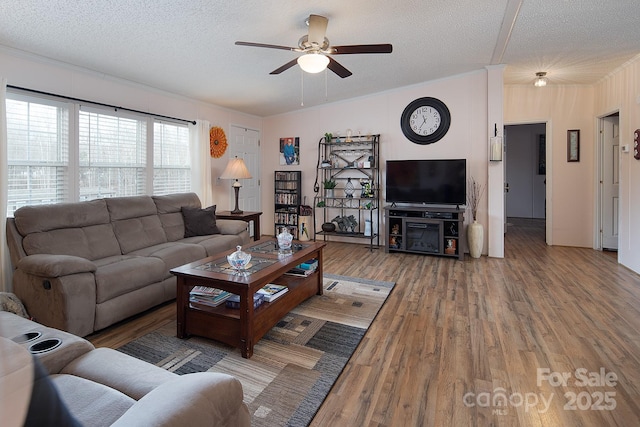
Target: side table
(244, 216)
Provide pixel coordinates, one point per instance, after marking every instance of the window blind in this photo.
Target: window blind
(171, 159)
(37, 153)
(112, 155)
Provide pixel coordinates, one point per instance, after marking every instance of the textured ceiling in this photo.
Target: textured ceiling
(187, 46)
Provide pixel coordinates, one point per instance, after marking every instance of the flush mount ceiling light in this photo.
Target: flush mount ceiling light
(313, 62)
(541, 80)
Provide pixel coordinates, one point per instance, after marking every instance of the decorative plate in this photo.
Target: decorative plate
(217, 142)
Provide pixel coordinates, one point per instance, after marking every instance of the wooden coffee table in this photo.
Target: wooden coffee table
(244, 327)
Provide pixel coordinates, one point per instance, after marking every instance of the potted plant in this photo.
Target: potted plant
(329, 185)
(475, 231)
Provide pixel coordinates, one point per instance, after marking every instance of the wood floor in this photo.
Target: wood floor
(547, 336)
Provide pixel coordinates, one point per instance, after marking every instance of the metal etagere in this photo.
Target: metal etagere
(352, 208)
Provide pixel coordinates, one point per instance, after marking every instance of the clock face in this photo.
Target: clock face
(425, 120)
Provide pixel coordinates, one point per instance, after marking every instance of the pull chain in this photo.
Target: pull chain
(326, 85)
(301, 88)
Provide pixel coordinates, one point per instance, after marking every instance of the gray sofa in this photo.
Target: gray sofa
(103, 387)
(81, 267)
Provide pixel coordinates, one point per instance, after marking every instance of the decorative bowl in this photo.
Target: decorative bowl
(328, 227)
(284, 239)
(239, 259)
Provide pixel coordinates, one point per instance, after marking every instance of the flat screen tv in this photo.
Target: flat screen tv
(427, 182)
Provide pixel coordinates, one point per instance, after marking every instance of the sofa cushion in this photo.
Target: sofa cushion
(216, 243)
(171, 203)
(133, 377)
(190, 400)
(170, 212)
(173, 254)
(122, 274)
(137, 233)
(46, 407)
(91, 242)
(34, 219)
(91, 403)
(199, 222)
(130, 207)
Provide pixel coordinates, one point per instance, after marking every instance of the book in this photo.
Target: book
(234, 301)
(297, 271)
(210, 297)
(311, 264)
(271, 291)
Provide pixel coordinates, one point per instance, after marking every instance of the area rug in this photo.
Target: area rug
(294, 365)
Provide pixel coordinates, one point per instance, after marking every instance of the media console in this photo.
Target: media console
(425, 230)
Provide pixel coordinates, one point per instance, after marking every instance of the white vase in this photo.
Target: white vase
(305, 228)
(475, 239)
(367, 227)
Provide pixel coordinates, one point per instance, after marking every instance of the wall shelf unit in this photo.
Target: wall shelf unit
(353, 206)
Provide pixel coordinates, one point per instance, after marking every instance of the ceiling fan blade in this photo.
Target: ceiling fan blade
(361, 48)
(337, 68)
(285, 67)
(317, 29)
(270, 46)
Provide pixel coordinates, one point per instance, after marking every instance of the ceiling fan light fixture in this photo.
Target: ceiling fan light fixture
(313, 62)
(541, 80)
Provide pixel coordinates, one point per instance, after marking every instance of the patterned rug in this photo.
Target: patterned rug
(294, 365)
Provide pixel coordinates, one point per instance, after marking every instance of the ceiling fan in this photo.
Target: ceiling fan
(316, 50)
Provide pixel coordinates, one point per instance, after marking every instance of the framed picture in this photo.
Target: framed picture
(290, 151)
(573, 145)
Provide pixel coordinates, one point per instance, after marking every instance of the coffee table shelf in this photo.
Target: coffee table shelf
(243, 327)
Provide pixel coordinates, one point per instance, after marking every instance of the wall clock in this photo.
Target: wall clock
(425, 120)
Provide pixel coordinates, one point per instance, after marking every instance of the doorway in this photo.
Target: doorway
(609, 179)
(245, 143)
(525, 174)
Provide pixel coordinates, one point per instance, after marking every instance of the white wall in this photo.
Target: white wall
(464, 95)
(621, 91)
(570, 192)
(45, 75)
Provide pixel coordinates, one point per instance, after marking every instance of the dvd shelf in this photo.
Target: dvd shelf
(287, 195)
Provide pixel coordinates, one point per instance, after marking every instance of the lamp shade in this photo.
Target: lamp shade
(236, 169)
(313, 62)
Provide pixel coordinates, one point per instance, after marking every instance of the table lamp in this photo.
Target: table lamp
(236, 169)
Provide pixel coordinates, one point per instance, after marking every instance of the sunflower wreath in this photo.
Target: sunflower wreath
(217, 142)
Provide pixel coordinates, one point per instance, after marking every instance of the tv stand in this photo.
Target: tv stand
(425, 230)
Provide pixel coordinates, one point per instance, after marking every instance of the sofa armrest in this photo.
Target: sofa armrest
(199, 399)
(231, 226)
(45, 265)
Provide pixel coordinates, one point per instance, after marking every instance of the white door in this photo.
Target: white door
(245, 143)
(610, 181)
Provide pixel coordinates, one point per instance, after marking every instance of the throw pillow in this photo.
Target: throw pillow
(199, 222)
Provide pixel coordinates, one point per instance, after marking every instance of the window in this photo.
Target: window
(54, 157)
(171, 159)
(37, 152)
(112, 155)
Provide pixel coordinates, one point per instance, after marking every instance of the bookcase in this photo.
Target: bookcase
(425, 230)
(287, 199)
